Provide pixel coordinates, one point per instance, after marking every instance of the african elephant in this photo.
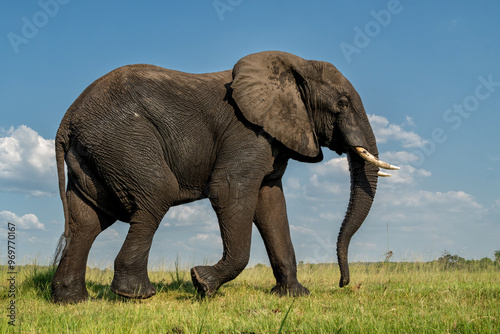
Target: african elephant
(142, 139)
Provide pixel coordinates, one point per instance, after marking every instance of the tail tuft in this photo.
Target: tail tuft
(60, 249)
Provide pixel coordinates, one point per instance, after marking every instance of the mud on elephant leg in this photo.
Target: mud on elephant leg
(272, 222)
(131, 265)
(85, 223)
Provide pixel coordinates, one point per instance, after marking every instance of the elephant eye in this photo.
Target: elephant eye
(343, 103)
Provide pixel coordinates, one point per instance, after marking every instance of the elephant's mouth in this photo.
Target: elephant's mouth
(338, 145)
(336, 142)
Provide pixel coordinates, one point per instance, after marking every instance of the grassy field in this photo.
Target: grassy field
(382, 298)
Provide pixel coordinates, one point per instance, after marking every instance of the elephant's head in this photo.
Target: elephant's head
(307, 104)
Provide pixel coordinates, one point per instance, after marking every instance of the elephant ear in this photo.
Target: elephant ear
(266, 90)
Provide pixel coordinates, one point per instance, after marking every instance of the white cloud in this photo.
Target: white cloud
(199, 237)
(293, 183)
(401, 157)
(335, 166)
(427, 211)
(409, 122)
(385, 131)
(304, 230)
(420, 219)
(451, 201)
(496, 205)
(199, 214)
(27, 162)
(25, 222)
(408, 174)
(327, 180)
(323, 186)
(111, 235)
(209, 239)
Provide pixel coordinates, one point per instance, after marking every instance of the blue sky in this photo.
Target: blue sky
(428, 74)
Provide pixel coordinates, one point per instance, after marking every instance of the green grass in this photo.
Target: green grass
(382, 298)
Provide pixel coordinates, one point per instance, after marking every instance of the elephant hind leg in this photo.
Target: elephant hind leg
(85, 223)
(131, 265)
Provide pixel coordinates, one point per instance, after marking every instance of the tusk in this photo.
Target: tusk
(383, 174)
(363, 153)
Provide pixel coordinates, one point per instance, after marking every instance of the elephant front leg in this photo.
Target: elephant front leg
(234, 209)
(272, 223)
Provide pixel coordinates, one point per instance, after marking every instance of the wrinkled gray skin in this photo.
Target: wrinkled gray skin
(142, 139)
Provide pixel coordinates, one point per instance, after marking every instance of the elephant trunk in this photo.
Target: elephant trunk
(364, 167)
(363, 186)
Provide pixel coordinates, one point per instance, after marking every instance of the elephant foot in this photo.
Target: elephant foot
(204, 280)
(68, 293)
(130, 288)
(293, 290)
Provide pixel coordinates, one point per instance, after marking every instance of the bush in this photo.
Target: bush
(451, 261)
(485, 262)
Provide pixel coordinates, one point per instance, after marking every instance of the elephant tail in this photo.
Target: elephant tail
(61, 142)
